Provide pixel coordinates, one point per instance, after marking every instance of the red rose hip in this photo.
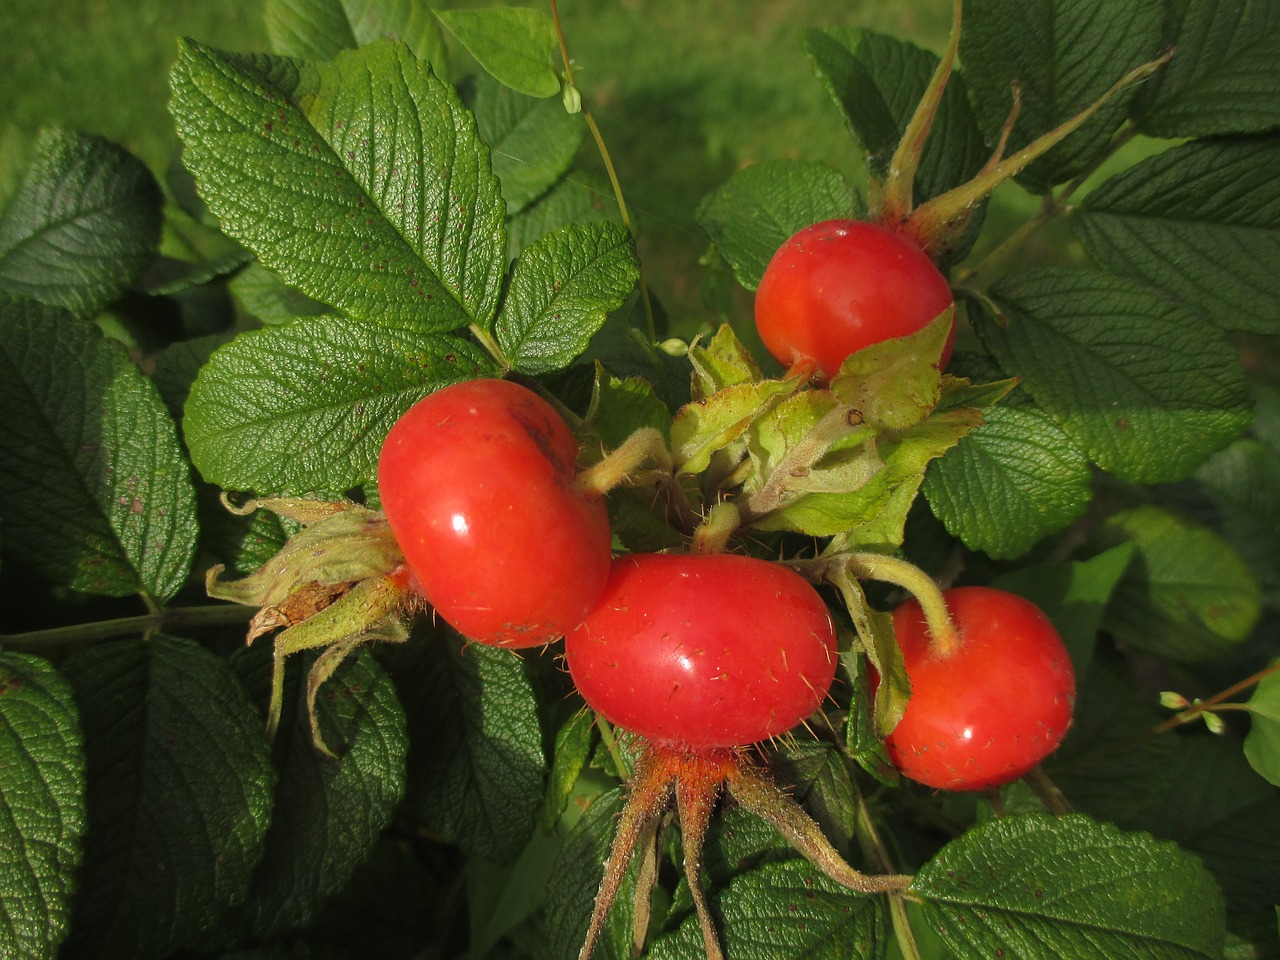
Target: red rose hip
(477, 482)
(704, 652)
(990, 709)
(838, 286)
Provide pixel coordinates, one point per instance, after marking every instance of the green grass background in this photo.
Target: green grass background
(685, 92)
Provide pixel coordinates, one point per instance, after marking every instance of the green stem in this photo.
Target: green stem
(876, 566)
(172, 618)
(873, 849)
(934, 218)
(1215, 702)
(598, 137)
(487, 341)
(713, 534)
(896, 199)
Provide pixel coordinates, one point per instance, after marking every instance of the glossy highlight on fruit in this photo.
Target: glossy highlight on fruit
(477, 482)
(994, 707)
(706, 651)
(838, 286)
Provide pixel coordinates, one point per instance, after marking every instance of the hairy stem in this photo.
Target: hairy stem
(876, 566)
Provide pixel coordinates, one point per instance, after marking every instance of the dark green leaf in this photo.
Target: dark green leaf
(373, 195)
(305, 407)
(1187, 595)
(514, 44)
(94, 483)
(572, 750)
(1013, 481)
(328, 813)
(82, 226)
(1242, 484)
(1225, 814)
(321, 29)
(263, 295)
(1068, 888)
(1201, 221)
(785, 911)
(576, 878)
(1064, 55)
(476, 766)
(761, 206)
(1108, 766)
(42, 818)
(569, 201)
(1134, 379)
(1223, 76)
(1262, 745)
(562, 289)
(532, 141)
(877, 81)
(180, 786)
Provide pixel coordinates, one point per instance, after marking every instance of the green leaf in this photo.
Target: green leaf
(1013, 481)
(81, 227)
(1242, 484)
(1034, 886)
(1064, 55)
(476, 765)
(877, 81)
(1222, 79)
(1187, 595)
(532, 142)
(1224, 813)
(562, 289)
(180, 786)
(321, 29)
(577, 872)
(94, 484)
(701, 427)
(1109, 766)
(723, 361)
(264, 296)
(572, 750)
(360, 180)
(514, 44)
(622, 406)
(758, 208)
(1134, 379)
(304, 407)
(1262, 744)
(894, 384)
(1202, 221)
(785, 911)
(327, 814)
(42, 819)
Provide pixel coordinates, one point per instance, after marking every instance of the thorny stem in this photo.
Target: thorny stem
(933, 219)
(644, 446)
(171, 618)
(651, 328)
(1052, 207)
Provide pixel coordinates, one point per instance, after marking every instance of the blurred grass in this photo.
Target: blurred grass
(684, 92)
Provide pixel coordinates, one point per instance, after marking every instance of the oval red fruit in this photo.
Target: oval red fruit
(991, 709)
(838, 286)
(477, 482)
(704, 651)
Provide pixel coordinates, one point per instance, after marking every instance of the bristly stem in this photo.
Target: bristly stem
(650, 326)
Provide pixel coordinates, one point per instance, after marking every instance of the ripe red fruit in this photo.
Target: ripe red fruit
(986, 712)
(477, 482)
(704, 652)
(838, 286)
